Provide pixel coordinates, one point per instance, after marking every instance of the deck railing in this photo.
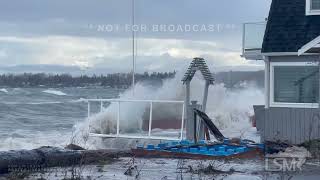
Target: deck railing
(149, 136)
(252, 40)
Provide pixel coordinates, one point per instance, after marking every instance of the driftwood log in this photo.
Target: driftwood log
(47, 156)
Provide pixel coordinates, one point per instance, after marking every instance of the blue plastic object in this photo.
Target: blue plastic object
(222, 153)
(150, 147)
(162, 145)
(231, 151)
(185, 142)
(226, 141)
(185, 150)
(203, 148)
(193, 150)
(174, 143)
(174, 149)
(240, 150)
(224, 149)
(203, 151)
(212, 152)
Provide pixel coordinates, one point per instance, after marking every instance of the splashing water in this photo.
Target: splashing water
(229, 109)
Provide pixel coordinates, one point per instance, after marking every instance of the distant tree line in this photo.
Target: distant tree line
(118, 80)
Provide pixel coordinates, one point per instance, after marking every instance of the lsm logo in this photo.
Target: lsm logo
(284, 163)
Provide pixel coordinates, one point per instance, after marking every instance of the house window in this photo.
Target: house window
(294, 84)
(315, 4)
(313, 7)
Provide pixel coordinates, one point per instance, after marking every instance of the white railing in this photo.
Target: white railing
(149, 136)
(252, 39)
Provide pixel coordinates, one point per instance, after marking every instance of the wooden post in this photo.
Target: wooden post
(194, 126)
(205, 96)
(204, 130)
(188, 119)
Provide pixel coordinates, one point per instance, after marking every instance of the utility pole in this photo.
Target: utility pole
(133, 48)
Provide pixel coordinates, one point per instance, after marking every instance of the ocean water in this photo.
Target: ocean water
(34, 117)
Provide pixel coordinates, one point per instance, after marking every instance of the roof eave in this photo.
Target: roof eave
(287, 54)
(309, 45)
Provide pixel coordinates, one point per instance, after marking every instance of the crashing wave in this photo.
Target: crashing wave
(229, 109)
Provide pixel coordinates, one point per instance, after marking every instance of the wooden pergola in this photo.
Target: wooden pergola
(197, 64)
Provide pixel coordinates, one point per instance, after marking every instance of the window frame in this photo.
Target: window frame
(284, 104)
(309, 11)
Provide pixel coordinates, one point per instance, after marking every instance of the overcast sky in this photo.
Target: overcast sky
(97, 33)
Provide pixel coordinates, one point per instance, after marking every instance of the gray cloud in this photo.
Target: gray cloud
(58, 32)
(72, 17)
(115, 11)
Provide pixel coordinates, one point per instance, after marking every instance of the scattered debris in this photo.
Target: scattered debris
(74, 147)
(211, 168)
(275, 147)
(313, 147)
(292, 152)
(133, 169)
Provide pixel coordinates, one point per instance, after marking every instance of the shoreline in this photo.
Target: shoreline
(118, 164)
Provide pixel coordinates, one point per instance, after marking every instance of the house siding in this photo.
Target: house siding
(293, 125)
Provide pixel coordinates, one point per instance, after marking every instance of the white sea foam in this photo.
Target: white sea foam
(4, 90)
(22, 139)
(55, 92)
(229, 109)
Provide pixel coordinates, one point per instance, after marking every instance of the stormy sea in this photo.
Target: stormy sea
(34, 117)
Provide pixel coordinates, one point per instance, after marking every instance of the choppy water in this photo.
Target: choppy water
(32, 117)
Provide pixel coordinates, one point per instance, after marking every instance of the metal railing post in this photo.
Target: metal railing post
(118, 119)
(101, 109)
(88, 109)
(101, 106)
(149, 136)
(150, 119)
(89, 122)
(182, 122)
